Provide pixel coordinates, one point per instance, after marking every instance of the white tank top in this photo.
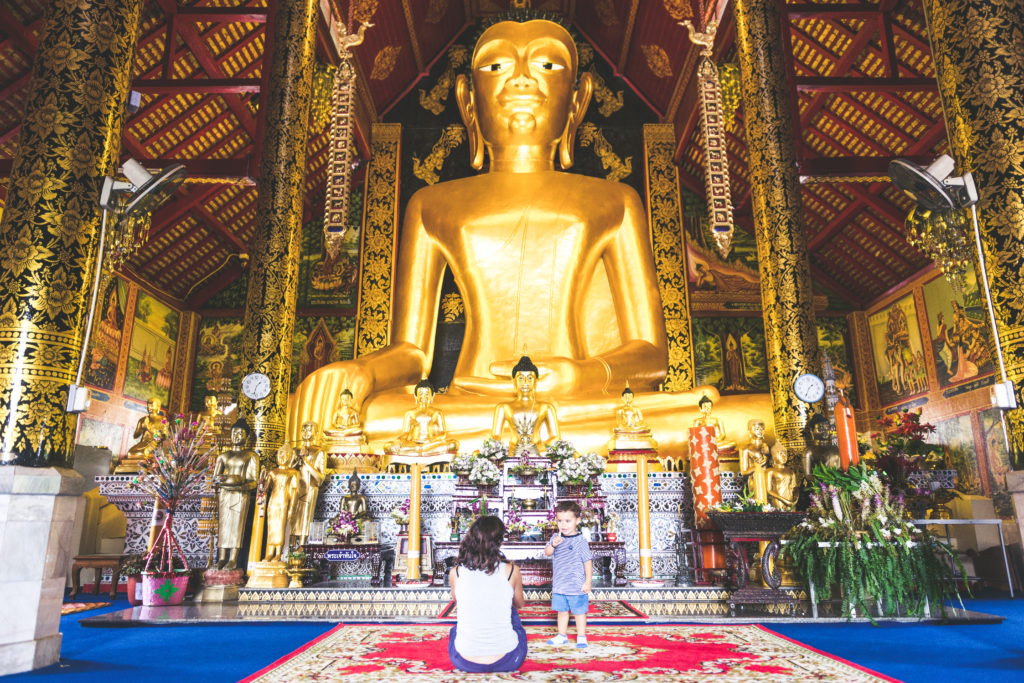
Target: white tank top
(484, 613)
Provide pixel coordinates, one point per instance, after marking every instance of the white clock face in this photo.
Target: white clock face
(809, 388)
(256, 386)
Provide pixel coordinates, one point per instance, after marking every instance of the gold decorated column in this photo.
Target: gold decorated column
(786, 299)
(412, 556)
(979, 61)
(643, 507)
(274, 269)
(70, 139)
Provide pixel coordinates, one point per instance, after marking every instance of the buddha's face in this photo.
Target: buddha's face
(284, 456)
(237, 436)
(424, 396)
(757, 429)
(627, 398)
(211, 403)
(353, 486)
(779, 457)
(346, 399)
(153, 407)
(523, 83)
(525, 382)
(705, 408)
(308, 429)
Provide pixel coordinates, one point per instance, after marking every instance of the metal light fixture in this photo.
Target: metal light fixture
(936, 189)
(132, 203)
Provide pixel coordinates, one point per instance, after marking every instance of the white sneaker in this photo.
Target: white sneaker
(558, 640)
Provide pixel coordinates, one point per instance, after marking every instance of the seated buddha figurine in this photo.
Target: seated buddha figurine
(148, 430)
(355, 502)
(346, 431)
(527, 417)
(630, 431)
(782, 481)
(558, 262)
(753, 459)
(424, 437)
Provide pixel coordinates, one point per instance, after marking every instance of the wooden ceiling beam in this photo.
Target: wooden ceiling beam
(200, 132)
(214, 86)
(837, 11)
(171, 212)
(213, 285)
(835, 288)
(224, 231)
(18, 33)
(865, 261)
(414, 43)
(224, 15)
(627, 37)
(874, 242)
(855, 84)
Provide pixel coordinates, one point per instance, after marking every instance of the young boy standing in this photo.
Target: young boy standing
(572, 570)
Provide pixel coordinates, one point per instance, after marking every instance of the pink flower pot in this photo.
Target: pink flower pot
(163, 589)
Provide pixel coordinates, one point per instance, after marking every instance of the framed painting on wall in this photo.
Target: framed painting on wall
(151, 356)
(105, 345)
(997, 458)
(319, 341)
(218, 359)
(956, 436)
(832, 339)
(897, 352)
(959, 332)
(729, 353)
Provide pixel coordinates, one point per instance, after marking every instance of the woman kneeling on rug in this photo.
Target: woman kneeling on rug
(488, 635)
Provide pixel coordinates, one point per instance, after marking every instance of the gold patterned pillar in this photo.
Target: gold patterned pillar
(786, 298)
(979, 60)
(379, 240)
(274, 269)
(70, 139)
(665, 218)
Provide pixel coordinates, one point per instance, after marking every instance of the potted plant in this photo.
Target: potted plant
(578, 473)
(485, 474)
(461, 465)
(296, 559)
(400, 514)
(131, 570)
(173, 471)
(559, 450)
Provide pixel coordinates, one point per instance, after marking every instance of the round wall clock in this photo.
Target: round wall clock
(256, 386)
(809, 388)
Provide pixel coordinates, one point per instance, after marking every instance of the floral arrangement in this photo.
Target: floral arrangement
(345, 524)
(515, 527)
(493, 449)
(902, 450)
(743, 503)
(461, 463)
(559, 450)
(401, 513)
(174, 470)
(484, 472)
(579, 468)
(856, 536)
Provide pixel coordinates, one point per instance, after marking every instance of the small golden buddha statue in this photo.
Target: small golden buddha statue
(783, 488)
(589, 310)
(211, 412)
(424, 437)
(280, 492)
(630, 432)
(706, 419)
(753, 459)
(355, 502)
(820, 449)
(235, 473)
(527, 417)
(312, 465)
(346, 432)
(148, 430)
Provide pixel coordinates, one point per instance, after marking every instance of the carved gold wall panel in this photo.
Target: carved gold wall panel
(617, 168)
(274, 269)
(429, 168)
(73, 116)
(380, 230)
(789, 325)
(665, 218)
(434, 100)
(979, 59)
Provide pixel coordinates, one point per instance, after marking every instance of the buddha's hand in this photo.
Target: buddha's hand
(316, 397)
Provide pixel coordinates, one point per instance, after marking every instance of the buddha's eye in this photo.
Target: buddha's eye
(547, 65)
(496, 67)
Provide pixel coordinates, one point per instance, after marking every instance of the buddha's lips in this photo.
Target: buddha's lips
(531, 101)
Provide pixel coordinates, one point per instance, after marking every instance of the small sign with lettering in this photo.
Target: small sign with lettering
(341, 555)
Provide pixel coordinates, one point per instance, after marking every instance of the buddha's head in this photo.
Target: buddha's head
(424, 393)
(704, 405)
(345, 397)
(354, 483)
(524, 375)
(756, 428)
(779, 456)
(240, 432)
(308, 430)
(153, 407)
(627, 396)
(523, 101)
(817, 429)
(211, 403)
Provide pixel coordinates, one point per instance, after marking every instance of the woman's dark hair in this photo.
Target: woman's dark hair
(481, 549)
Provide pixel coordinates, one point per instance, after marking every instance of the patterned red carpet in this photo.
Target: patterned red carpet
(539, 611)
(651, 653)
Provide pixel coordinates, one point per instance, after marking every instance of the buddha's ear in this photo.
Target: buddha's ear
(467, 109)
(580, 101)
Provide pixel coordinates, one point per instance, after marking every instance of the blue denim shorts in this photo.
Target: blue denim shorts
(577, 604)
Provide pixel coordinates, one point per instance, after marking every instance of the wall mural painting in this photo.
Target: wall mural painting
(105, 345)
(898, 353)
(730, 354)
(318, 341)
(832, 338)
(151, 357)
(997, 459)
(100, 434)
(957, 439)
(958, 330)
(218, 359)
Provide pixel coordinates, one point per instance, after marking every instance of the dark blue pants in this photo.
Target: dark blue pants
(510, 662)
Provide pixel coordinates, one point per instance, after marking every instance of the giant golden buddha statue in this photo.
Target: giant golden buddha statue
(559, 263)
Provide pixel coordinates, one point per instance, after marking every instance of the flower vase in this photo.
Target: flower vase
(403, 529)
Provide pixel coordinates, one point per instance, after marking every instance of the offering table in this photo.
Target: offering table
(328, 557)
(532, 563)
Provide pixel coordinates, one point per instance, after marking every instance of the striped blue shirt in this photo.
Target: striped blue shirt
(567, 574)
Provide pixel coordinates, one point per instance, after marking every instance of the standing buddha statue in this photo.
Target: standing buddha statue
(312, 471)
(753, 459)
(235, 473)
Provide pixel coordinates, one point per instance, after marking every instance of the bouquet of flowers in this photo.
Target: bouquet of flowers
(484, 472)
(493, 449)
(902, 450)
(559, 450)
(345, 525)
(743, 503)
(461, 463)
(515, 527)
(401, 513)
(578, 469)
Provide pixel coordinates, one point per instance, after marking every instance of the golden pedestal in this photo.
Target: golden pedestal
(622, 460)
(267, 575)
(347, 459)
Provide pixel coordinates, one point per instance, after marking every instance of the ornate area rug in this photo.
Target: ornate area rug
(540, 611)
(73, 607)
(648, 653)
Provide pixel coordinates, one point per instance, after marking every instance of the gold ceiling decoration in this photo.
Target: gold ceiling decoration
(339, 165)
(716, 159)
(606, 12)
(657, 61)
(677, 9)
(323, 89)
(364, 10)
(436, 10)
(942, 236)
(384, 62)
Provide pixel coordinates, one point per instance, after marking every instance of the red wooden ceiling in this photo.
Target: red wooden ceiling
(861, 74)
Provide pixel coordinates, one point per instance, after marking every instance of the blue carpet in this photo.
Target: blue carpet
(223, 652)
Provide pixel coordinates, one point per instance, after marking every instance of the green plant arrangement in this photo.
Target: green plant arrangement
(856, 537)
